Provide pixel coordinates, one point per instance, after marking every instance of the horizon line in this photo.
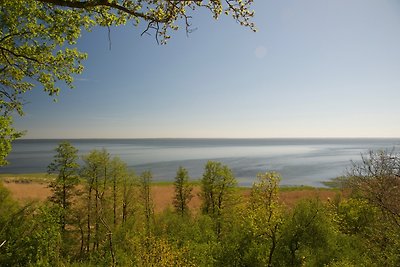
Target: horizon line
(188, 138)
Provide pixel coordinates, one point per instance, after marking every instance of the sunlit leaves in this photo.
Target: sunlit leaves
(7, 135)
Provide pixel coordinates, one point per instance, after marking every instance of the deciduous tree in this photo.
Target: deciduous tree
(265, 214)
(95, 171)
(65, 166)
(377, 178)
(147, 201)
(183, 191)
(217, 186)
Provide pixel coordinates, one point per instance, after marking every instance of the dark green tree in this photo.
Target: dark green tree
(310, 237)
(183, 191)
(65, 166)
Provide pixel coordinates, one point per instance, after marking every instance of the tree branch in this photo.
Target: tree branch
(19, 55)
(103, 3)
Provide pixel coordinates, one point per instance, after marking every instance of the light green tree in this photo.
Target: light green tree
(265, 215)
(183, 191)
(38, 38)
(147, 201)
(310, 237)
(96, 173)
(7, 135)
(118, 173)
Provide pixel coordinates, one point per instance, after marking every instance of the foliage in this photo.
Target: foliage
(372, 234)
(309, 236)
(11, 221)
(265, 217)
(7, 135)
(147, 203)
(96, 172)
(377, 179)
(217, 186)
(29, 234)
(183, 191)
(255, 231)
(66, 167)
(35, 49)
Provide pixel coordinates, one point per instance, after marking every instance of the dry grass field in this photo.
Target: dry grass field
(162, 194)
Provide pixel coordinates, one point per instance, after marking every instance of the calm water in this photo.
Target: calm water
(300, 161)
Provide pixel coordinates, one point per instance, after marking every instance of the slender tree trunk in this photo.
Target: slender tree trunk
(110, 241)
(182, 200)
(64, 206)
(272, 250)
(89, 210)
(82, 237)
(115, 200)
(96, 213)
(124, 201)
(147, 201)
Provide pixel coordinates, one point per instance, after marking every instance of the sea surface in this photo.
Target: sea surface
(299, 161)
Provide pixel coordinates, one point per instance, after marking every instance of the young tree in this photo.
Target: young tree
(183, 191)
(96, 171)
(217, 185)
(265, 214)
(129, 183)
(310, 236)
(377, 179)
(148, 209)
(65, 166)
(118, 171)
(37, 39)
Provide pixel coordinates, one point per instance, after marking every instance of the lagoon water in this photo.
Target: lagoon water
(300, 161)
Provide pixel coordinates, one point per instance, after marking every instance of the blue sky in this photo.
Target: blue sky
(314, 69)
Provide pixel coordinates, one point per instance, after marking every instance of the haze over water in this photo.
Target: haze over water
(300, 161)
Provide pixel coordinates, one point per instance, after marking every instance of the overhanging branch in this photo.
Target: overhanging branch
(104, 3)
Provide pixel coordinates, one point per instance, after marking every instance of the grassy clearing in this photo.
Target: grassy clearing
(34, 186)
(337, 183)
(26, 178)
(44, 178)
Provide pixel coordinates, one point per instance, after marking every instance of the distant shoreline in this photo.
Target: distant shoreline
(300, 161)
(213, 138)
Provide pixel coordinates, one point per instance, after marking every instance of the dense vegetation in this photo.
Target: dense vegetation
(101, 214)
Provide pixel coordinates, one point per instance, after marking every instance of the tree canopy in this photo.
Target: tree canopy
(38, 38)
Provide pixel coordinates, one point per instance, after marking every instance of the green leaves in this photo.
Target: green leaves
(217, 183)
(7, 136)
(183, 191)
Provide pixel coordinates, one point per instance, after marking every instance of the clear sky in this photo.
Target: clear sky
(314, 69)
